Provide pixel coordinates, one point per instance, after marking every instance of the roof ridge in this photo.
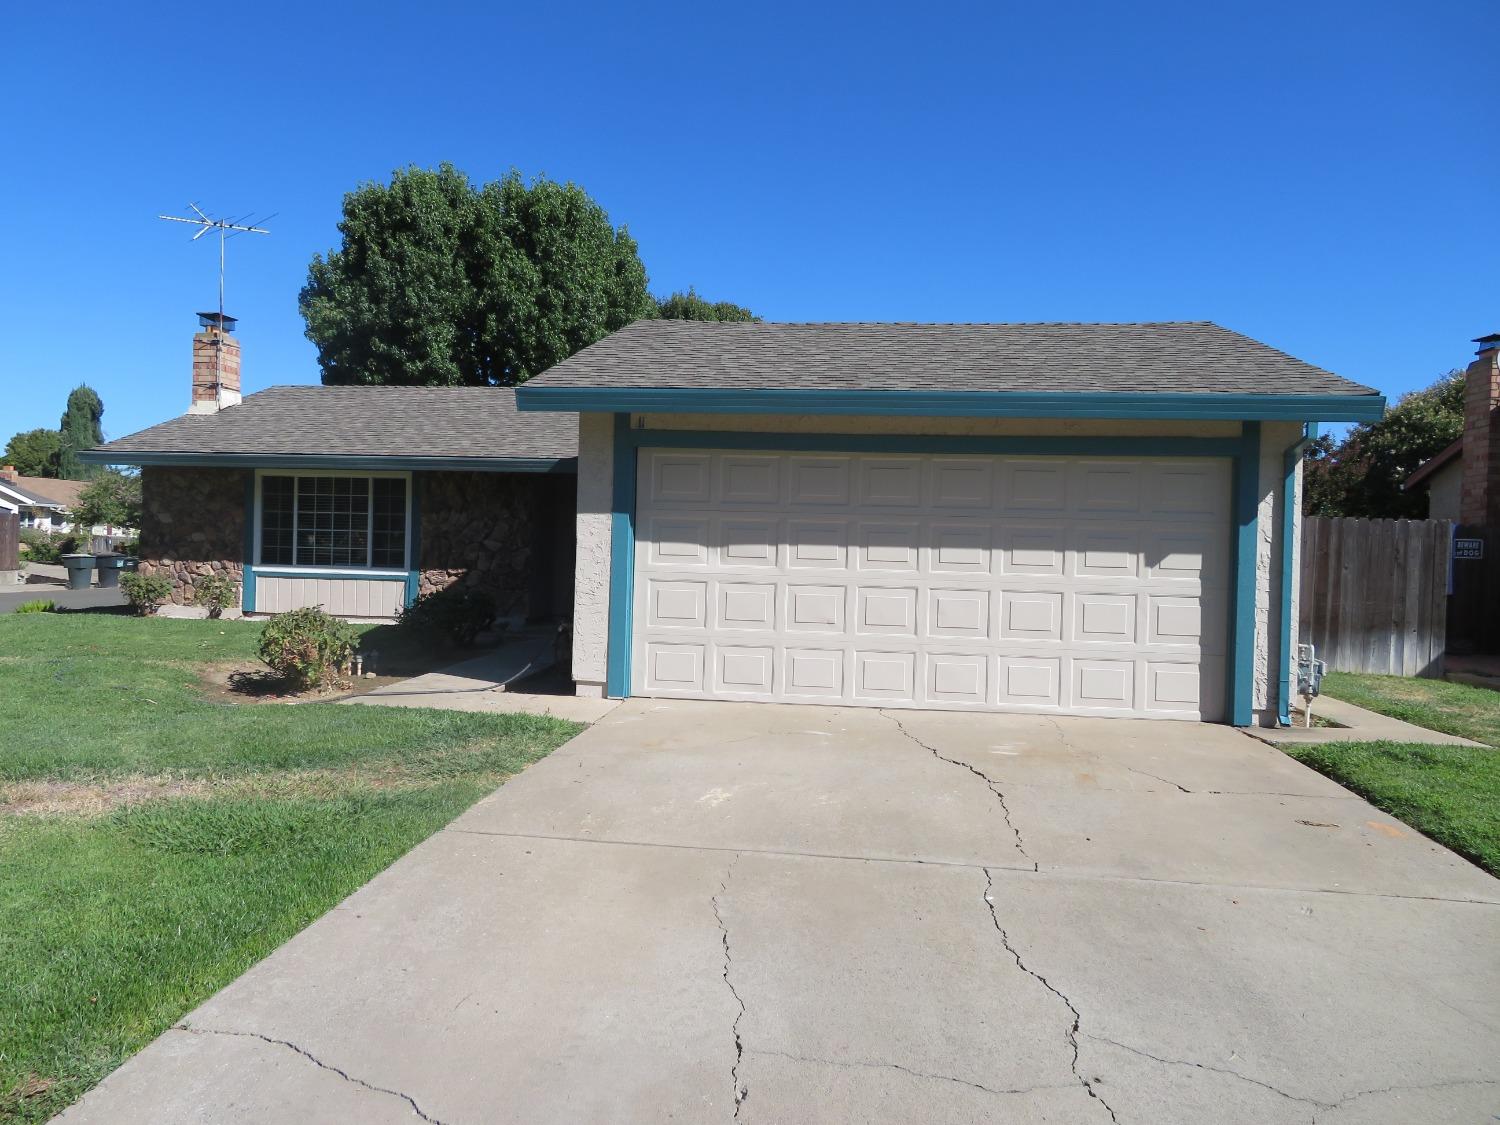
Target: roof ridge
(935, 323)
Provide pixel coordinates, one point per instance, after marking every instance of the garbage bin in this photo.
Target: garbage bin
(108, 568)
(80, 568)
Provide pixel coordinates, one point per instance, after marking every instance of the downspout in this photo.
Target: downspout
(1290, 514)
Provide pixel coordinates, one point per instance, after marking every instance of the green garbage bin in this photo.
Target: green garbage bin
(80, 571)
(108, 568)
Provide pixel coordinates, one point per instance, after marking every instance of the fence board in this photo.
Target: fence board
(1374, 594)
(10, 541)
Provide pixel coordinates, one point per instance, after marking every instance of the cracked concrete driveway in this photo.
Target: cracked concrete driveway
(707, 912)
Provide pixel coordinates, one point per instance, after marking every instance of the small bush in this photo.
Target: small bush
(216, 593)
(306, 646)
(145, 591)
(46, 605)
(41, 546)
(460, 613)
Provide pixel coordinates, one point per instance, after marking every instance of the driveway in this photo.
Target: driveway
(704, 911)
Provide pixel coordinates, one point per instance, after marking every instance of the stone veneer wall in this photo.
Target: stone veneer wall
(193, 525)
(479, 529)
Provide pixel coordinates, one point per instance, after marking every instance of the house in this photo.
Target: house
(43, 502)
(358, 499)
(1463, 481)
(1090, 519)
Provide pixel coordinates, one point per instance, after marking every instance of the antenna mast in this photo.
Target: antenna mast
(227, 228)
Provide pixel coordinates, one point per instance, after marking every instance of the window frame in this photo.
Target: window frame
(351, 570)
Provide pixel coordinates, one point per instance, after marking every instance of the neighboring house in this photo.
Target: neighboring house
(45, 503)
(1463, 481)
(1058, 518)
(358, 499)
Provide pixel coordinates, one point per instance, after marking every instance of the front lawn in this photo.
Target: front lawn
(154, 844)
(1450, 793)
(1461, 709)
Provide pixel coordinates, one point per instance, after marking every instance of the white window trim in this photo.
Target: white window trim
(333, 571)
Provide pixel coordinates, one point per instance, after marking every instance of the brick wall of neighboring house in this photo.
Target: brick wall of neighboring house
(1480, 494)
(193, 525)
(480, 529)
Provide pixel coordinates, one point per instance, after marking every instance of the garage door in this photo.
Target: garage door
(1041, 584)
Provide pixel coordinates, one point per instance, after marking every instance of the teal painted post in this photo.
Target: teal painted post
(1290, 514)
(247, 559)
(621, 561)
(414, 540)
(1246, 531)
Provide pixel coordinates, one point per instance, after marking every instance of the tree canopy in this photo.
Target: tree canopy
(81, 428)
(111, 498)
(1362, 475)
(439, 282)
(35, 453)
(690, 306)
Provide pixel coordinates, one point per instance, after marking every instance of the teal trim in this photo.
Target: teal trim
(332, 461)
(621, 560)
(957, 404)
(326, 572)
(247, 571)
(1244, 529)
(414, 540)
(1290, 514)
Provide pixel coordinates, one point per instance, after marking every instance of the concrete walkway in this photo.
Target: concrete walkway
(1356, 725)
(482, 683)
(702, 912)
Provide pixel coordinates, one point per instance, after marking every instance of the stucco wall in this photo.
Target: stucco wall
(596, 450)
(1445, 492)
(596, 482)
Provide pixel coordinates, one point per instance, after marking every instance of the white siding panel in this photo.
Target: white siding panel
(342, 597)
(1068, 585)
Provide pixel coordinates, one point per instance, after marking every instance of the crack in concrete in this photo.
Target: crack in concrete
(310, 1057)
(989, 782)
(1304, 1099)
(1073, 1032)
(1152, 776)
(741, 1092)
(864, 1064)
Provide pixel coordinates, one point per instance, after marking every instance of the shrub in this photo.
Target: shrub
(41, 546)
(45, 605)
(216, 593)
(461, 613)
(145, 591)
(305, 646)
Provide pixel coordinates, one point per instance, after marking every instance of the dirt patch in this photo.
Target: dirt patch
(97, 798)
(253, 682)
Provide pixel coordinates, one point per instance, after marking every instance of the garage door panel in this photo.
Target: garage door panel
(1096, 586)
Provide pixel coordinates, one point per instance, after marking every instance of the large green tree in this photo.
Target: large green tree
(442, 283)
(82, 428)
(35, 453)
(1362, 475)
(112, 498)
(690, 306)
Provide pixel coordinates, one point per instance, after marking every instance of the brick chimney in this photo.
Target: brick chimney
(1480, 498)
(9, 473)
(216, 364)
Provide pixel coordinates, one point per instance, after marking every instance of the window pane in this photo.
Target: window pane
(388, 536)
(276, 520)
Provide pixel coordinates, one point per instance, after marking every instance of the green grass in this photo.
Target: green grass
(113, 925)
(1450, 793)
(1461, 709)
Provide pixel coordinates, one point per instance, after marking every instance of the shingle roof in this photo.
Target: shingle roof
(45, 492)
(365, 422)
(1190, 357)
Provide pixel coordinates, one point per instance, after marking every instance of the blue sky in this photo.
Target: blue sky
(1322, 176)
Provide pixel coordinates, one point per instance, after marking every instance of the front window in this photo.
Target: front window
(333, 521)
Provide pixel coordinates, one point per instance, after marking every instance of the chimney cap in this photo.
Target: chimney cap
(216, 320)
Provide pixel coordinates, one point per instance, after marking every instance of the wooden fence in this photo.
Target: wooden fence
(1374, 594)
(10, 541)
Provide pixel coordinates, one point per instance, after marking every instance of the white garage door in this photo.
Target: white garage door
(1066, 585)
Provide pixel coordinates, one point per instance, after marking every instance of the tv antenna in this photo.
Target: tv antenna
(227, 229)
